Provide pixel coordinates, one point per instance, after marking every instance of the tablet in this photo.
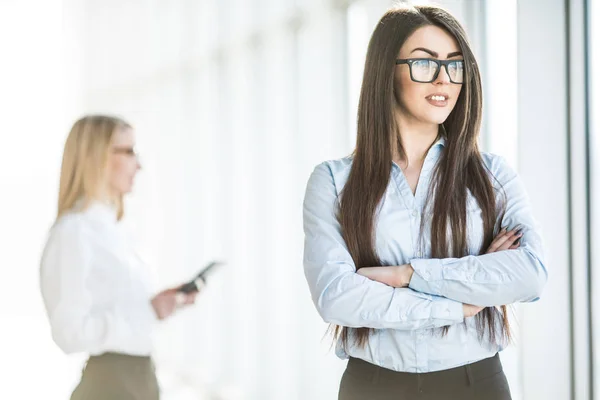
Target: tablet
(200, 279)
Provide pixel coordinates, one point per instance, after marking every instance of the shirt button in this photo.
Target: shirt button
(415, 213)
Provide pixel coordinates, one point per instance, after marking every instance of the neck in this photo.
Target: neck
(108, 198)
(416, 138)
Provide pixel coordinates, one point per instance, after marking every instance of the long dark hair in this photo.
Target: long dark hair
(460, 167)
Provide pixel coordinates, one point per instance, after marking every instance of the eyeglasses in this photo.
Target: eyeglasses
(426, 70)
(129, 151)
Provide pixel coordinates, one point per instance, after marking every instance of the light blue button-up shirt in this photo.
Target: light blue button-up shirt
(404, 320)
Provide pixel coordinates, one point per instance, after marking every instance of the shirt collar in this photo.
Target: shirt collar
(442, 137)
(98, 210)
(440, 142)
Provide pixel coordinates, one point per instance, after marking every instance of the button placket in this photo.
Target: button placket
(398, 185)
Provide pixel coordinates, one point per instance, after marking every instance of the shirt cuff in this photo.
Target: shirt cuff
(447, 309)
(427, 276)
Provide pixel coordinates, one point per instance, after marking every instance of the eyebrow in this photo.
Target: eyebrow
(434, 54)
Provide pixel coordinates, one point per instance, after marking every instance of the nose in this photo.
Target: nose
(443, 77)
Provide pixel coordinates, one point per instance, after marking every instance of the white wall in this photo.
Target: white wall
(33, 126)
(543, 155)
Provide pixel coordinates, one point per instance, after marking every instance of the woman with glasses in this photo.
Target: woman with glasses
(416, 243)
(97, 292)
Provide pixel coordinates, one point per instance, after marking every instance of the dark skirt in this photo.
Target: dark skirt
(483, 380)
(113, 376)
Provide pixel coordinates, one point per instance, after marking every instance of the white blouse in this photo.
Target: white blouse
(96, 290)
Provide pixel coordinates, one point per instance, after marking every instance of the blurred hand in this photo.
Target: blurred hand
(505, 241)
(166, 302)
(184, 299)
(395, 276)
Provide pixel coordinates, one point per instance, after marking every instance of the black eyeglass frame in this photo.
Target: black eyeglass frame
(439, 63)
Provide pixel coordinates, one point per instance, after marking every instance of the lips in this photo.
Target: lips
(438, 99)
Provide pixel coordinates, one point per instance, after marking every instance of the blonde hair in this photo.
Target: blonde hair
(85, 160)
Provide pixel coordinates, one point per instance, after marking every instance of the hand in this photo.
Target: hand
(471, 310)
(166, 302)
(184, 299)
(505, 241)
(395, 276)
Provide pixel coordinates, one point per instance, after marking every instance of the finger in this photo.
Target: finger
(504, 242)
(180, 298)
(499, 239)
(170, 291)
(500, 235)
(190, 298)
(495, 246)
(515, 246)
(512, 240)
(506, 237)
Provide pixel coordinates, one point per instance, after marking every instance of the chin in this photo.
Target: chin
(435, 118)
(126, 190)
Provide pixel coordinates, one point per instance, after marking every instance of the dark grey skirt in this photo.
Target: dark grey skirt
(483, 380)
(113, 376)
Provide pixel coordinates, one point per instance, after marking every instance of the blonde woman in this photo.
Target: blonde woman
(96, 291)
